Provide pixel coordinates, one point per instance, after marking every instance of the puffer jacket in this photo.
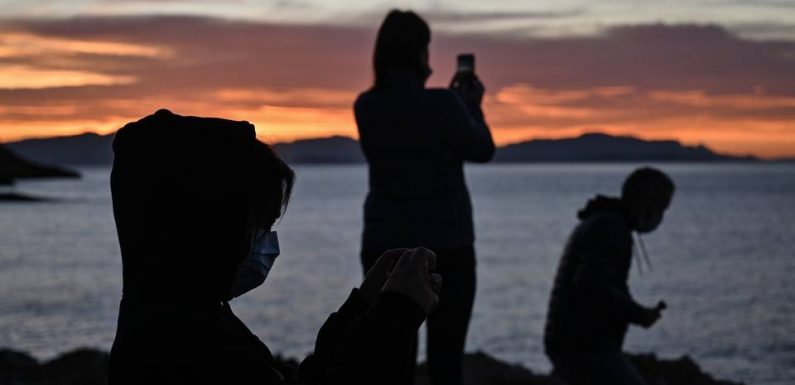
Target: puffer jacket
(590, 306)
(416, 141)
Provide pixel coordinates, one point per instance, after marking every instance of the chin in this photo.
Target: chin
(647, 228)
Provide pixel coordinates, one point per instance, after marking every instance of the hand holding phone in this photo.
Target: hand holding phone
(412, 278)
(378, 274)
(465, 65)
(465, 82)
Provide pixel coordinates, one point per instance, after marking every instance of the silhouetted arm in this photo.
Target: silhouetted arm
(466, 130)
(313, 367)
(595, 278)
(364, 344)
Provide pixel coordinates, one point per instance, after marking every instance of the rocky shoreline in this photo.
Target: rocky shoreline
(89, 367)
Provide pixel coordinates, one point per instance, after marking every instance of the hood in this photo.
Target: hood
(178, 186)
(601, 204)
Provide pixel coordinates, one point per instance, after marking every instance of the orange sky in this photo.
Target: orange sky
(696, 84)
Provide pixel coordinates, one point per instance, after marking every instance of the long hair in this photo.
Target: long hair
(402, 40)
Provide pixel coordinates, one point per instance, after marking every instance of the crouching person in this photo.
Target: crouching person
(194, 201)
(591, 306)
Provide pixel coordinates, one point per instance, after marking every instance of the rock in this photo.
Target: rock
(480, 368)
(90, 367)
(12, 166)
(16, 197)
(18, 368)
(682, 371)
(78, 367)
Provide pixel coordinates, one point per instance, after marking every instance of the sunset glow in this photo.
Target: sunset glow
(23, 77)
(720, 86)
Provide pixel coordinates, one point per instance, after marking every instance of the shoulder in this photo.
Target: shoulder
(363, 98)
(606, 227)
(365, 103)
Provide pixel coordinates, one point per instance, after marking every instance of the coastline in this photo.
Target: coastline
(89, 366)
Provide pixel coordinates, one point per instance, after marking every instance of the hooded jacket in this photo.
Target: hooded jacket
(179, 185)
(590, 306)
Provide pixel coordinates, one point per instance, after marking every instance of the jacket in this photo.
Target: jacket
(590, 306)
(416, 141)
(176, 186)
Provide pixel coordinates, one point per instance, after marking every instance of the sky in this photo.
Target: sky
(715, 72)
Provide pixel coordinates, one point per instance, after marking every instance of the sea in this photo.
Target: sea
(723, 260)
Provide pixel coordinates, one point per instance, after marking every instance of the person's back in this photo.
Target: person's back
(416, 141)
(590, 300)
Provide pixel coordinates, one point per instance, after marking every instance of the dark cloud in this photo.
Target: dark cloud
(766, 30)
(469, 17)
(216, 52)
(756, 3)
(704, 69)
(172, 1)
(646, 56)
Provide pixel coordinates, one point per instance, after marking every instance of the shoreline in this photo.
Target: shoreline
(89, 366)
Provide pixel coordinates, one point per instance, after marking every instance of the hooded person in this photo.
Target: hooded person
(194, 201)
(591, 307)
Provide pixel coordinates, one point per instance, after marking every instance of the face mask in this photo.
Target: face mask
(254, 269)
(649, 222)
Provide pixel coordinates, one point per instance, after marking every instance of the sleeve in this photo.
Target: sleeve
(364, 346)
(329, 336)
(597, 275)
(466, 130)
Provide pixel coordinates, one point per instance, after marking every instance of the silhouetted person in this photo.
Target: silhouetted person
(416, 141)
(194, 201)
(591, 307)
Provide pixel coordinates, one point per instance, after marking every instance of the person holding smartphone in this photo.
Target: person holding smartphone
(416, 140)
(195, 200)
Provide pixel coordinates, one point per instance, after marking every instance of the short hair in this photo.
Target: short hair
(647, 183)
(402, 38)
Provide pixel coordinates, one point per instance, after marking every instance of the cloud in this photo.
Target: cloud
(766, 30)
(29, 45)
(23, 77)
(299, 97)
(472, 17)
(300, 80)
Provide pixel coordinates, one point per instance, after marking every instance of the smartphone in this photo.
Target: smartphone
(466, 65)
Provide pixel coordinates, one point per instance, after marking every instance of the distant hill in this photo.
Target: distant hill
(93, 149)
(84, 149)
(336, 149)
(13, 166)
(597, 147)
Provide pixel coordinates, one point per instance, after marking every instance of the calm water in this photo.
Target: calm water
(723, 261)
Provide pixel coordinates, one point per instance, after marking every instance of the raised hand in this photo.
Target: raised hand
(470, 91)
(411, 277)
(377, 275)
(652, 315)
